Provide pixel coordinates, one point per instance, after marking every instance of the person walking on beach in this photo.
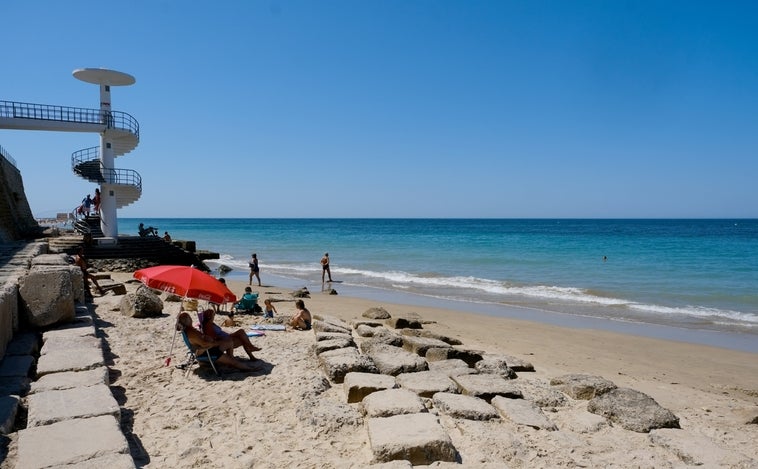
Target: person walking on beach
(325, 267)
(254, 269)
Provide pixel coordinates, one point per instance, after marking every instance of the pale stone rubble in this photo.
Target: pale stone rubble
(408, 383)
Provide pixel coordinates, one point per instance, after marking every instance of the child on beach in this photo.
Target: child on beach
(268, 309)
(301, 320)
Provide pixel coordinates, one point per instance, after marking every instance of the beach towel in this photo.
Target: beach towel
(268, 327)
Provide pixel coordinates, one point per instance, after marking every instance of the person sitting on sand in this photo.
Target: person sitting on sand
(81, 261)
(301, 320)
(238, 337)
(216, 347)
(268, 308)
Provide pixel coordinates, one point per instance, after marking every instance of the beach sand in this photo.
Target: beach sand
(289, 415)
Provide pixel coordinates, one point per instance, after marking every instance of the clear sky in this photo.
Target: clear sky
(400, 108)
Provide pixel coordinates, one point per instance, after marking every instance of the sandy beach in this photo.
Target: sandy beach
(289, 415)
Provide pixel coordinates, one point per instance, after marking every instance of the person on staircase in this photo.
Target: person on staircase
(87, 205)
(96, 201)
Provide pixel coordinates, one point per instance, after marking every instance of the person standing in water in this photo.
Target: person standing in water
(254, 269)
(325, 267)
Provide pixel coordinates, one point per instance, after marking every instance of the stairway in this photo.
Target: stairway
(150, 248)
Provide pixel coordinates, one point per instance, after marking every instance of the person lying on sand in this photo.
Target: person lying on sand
(301, 320)
(238, 337)
(215, 347)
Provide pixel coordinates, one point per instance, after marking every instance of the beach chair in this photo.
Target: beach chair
(248, 304)
(193, 357)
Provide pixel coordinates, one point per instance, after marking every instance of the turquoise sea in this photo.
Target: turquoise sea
(692, 280)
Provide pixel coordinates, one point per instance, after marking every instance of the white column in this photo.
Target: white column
(108, 220)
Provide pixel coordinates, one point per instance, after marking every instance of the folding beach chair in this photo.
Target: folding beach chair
(194, 358)
(248, 304)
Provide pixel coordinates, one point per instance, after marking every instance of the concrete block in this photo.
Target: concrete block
(471, 357)
(487, 386)
(337, 363)
(419, 345)
(60, 344)
(393, 361)
(359, 385)
(465, 407)
(70, 442)
(523, 412)
(418, 438)
(83, 359)
(54, 406)
(325, 345)
(46, 295)
(392, 402)
(427, 383)
(71, 379)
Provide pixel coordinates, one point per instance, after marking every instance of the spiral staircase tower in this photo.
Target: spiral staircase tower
(119, 134)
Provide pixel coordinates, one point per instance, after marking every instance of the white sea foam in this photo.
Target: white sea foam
(479, 289)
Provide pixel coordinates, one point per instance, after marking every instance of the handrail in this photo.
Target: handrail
(8, 157)
(111, 119)
(112, 176)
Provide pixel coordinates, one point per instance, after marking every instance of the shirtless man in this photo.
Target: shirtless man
(325, 267)
(81, 261)
(216, 347)
(301, 320)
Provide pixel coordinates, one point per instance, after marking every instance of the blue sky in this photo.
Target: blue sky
(401, 109)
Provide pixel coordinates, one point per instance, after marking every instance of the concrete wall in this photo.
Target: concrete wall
(16, 219)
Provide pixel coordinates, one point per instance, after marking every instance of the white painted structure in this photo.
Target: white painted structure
(119, 134)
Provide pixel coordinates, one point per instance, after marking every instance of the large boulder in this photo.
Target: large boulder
(46, 295)
(141, 304)
(376, 313)
(579, 386)
(632, 410)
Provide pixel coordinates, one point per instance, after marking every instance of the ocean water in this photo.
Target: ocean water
(697, 275)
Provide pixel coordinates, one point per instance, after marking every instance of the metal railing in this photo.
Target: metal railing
(128, 177)
(111, 119)
(7, 156)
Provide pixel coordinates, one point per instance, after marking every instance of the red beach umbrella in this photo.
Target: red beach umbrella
(185, 281)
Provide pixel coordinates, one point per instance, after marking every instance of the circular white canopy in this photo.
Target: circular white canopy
(103, 76)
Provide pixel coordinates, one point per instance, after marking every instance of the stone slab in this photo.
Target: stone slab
(392, 402)
(84, 359)
(523, 412)
(393, 361)
(419, 345)
(486, 386)
(359, 385)
(417, 438)
(71, 379)
(70, 442)
(471, 357)
(8, 410)
(451, 367)
(54, 406)
(109, 461)
(579, 386)
(332, 344)
(337, 363)
(433, 335)
(332, 335)
(16, 365)
(70, 344)
(465, 407)
(75, 330)
(427, 383)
